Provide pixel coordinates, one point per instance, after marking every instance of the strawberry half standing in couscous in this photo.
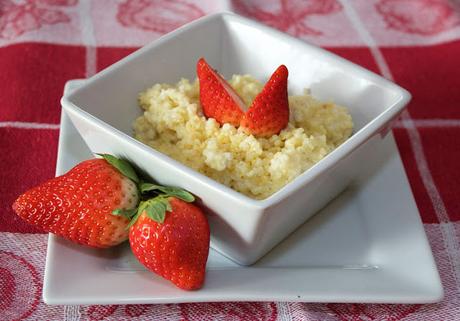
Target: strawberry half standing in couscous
(218, 99)
(269, 112)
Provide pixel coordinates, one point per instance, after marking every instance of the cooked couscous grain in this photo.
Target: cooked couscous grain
(173, 124)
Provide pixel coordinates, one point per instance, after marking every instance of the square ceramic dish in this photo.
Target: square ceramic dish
(244, 229)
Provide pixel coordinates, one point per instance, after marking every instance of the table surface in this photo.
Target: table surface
(44, 43)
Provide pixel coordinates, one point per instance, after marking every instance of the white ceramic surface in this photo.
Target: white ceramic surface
(104, 108)
(367, 245)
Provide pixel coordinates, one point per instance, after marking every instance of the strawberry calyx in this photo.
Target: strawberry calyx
(155, 202)
(154, 198)
(167, 190)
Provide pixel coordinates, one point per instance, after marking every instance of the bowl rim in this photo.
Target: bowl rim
(340, 152)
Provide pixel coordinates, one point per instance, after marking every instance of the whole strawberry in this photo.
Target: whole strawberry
(171, 237)
(79, 205)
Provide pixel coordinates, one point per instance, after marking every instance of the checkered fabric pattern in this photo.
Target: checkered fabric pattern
(44, 43)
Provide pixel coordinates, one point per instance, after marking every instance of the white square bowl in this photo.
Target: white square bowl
(243, 229)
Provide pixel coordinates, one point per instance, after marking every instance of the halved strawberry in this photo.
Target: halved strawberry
(218, 99)
(269, 112)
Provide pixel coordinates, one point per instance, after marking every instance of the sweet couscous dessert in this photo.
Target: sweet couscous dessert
(256, 165)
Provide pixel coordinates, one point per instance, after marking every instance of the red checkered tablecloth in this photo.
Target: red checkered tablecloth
(44, 43)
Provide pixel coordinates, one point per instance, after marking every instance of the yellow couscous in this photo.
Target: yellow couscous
(173, 123)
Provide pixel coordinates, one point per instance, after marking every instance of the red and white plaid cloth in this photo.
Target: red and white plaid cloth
(44, 43)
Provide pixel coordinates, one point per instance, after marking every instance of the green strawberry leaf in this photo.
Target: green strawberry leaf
(124, 212)
(181, 194)
(123, 166)
(156, 211)
(168, 190)
(155, 208)
(165, 203)
(147, 187)
(168, 205)
(134, 219)
(139, 210)
(142, 206)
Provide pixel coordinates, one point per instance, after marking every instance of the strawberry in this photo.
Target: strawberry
(102, 202)
(78, 205)
(218, 99)
(269, 112)
(171, 237)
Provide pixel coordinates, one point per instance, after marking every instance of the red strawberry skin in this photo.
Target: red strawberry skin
(176, 249)
(269, 112)
(78, 205)
(218, 99)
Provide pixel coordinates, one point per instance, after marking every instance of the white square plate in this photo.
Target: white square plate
(368, 245)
